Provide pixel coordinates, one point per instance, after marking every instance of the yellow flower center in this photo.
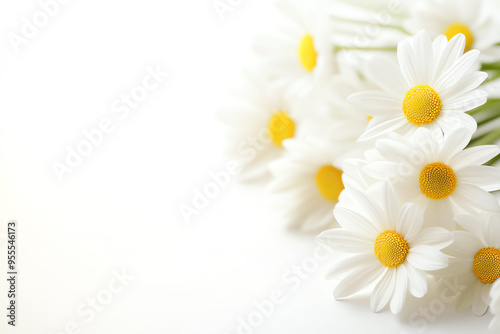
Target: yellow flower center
(458, 28)
(329, 182)
(486, 265)
(422, 105)
(281, 127)
(307, 53)
(437, 180)
(391, 249)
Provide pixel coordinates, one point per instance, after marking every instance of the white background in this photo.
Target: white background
(119, 209)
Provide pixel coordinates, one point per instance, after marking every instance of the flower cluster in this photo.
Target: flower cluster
(384, 114)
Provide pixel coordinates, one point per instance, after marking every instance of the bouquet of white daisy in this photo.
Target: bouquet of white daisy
(376, 124)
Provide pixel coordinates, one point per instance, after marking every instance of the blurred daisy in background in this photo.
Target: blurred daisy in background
(257, 125)
(308, 177)
(308, 182)
(330, 112)
(385, 245)
(478, 21)
(475, 260)
(301, 54)
(432, 87)
(438, 174)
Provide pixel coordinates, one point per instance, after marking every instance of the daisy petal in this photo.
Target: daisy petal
(348, 264)
(346, 241)
(470, 241)
(423, 57)
(427, 258)
(358, 280)
(467, 101)
(491, 230)
(485, 293)
(439, 213)
(405, 59)
(438, 45)
(455, 142)
(432, 236)
(410, 221)
(470, 81)
(353, 221)
(471, 197)
(417, 283)
(479, 307)
(383, 290)
(477, 155)
(457, 70)
(390, 203)
(373, 211)
(450, 121)
(485, 177)
(448, 56)
(400, 291)
(380, 125)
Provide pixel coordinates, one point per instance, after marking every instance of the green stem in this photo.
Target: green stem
(486, 139)
(492, 161)
(488, 119)
(490, 104)
(492, 75)
(490, 66)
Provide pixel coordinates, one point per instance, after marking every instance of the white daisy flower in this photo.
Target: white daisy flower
(308, 182)
(257, 125)
(438, 174)
(301, 55)
(475, 260)
(432, 87)
(495, 306)
(477, 20)
(386, 246)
